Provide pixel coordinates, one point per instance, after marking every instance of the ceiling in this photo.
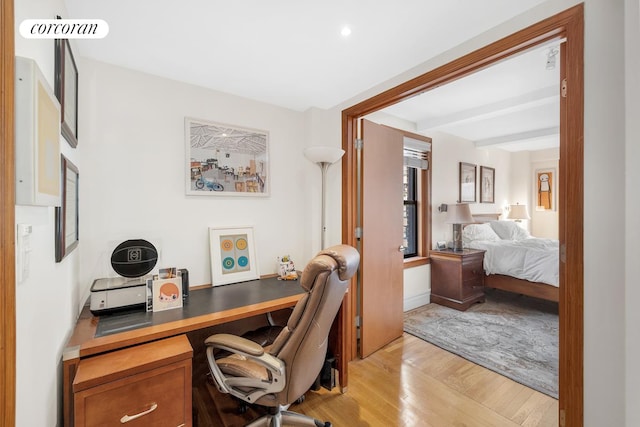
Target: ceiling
(291, 53)
(512, 105)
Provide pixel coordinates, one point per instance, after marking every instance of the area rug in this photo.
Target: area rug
(513, 335)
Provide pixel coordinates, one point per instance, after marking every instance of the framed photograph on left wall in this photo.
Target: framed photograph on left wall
(66, 87)
(233, 255)
(67, 236)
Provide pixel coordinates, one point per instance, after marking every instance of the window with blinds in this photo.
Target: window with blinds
(416, 158)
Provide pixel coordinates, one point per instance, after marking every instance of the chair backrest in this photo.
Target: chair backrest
(302, 344)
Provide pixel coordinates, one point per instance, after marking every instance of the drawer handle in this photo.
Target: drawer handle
(128, 418)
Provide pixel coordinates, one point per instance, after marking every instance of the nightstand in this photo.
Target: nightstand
(457, 277)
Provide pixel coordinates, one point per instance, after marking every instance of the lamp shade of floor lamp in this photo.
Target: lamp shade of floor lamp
(458, 214)
(323, 157)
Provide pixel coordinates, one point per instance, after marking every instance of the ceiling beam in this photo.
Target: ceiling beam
(521, 136)
(529, 100)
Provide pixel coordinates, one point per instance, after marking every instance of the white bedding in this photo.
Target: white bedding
(531, 258)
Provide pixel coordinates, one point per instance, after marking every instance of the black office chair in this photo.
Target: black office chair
(277, 375)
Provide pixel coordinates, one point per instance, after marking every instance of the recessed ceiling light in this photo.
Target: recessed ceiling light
(345, 31)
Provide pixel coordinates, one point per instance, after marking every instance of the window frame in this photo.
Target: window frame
(424, 212)
(412, 240)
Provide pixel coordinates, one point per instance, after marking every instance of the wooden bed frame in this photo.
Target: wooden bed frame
(512, 284)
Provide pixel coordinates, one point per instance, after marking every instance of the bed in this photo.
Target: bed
(515, 261)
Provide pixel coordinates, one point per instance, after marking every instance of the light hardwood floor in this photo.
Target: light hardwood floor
(411, 383)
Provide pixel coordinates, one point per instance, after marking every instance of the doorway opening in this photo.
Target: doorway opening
(567, 25)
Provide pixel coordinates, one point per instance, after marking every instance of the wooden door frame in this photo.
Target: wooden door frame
(568, 25)
(7, 219)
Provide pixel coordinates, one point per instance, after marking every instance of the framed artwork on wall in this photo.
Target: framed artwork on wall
(467, 182)
(226, 160)
(233, 255)
(67, 220)
(487, 184)
(545, 189)
(66, 87)
(37, 128)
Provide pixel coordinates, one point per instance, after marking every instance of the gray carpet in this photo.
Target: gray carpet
(514, 335)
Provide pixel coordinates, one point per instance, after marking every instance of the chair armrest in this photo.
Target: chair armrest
(237, 386)
(234, 343)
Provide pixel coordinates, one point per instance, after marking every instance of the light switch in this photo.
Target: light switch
(23, 251)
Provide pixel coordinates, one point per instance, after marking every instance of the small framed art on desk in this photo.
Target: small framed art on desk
(233, 255)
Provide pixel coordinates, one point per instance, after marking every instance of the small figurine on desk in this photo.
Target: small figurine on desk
(286, 269)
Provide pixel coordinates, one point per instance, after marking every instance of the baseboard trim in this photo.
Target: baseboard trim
(416, 301)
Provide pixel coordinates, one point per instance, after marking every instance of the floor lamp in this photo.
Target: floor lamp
(323, 157)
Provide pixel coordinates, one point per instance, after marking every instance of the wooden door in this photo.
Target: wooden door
(381, 288)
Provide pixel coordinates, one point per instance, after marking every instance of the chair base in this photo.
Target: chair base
(287, 418)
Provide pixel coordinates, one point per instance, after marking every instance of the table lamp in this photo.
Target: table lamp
(518, 212)
(458, 214)
(323, 157)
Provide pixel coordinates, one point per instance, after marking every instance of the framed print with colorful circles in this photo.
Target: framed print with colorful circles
(233, 256)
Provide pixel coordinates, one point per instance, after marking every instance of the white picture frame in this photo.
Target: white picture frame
(233, 255)
(37, 135)
(226, 160)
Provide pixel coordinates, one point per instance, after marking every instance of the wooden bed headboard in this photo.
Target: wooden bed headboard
(485, 217)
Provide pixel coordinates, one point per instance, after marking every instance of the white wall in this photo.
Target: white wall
(448, 152)
(604, 348)
(46, 303)
(523, 189)
(604, 159)
(544, 223)
(632, 205)
(134, 149)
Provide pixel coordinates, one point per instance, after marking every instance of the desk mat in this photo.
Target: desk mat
(201, 302)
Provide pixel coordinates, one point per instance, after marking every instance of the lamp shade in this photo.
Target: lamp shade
(518, 212)
(323, 154)
(459, 213)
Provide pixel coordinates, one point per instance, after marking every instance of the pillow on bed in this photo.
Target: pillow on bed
(478, 232)
(509, 230)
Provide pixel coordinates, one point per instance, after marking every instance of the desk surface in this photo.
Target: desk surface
(204, 307)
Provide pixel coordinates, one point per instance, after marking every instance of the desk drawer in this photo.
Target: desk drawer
(143, 385)
(153, 398)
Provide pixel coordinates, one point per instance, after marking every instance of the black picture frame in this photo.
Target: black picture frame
(467, 191)
(487, 184)
(66, 89)
(67, 218)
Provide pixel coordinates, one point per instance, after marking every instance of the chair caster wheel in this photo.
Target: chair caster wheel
(242, 409)
(300, 399)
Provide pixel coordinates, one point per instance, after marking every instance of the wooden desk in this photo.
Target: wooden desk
(204, 308)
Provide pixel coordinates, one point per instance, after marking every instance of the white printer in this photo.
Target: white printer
(133, 260)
